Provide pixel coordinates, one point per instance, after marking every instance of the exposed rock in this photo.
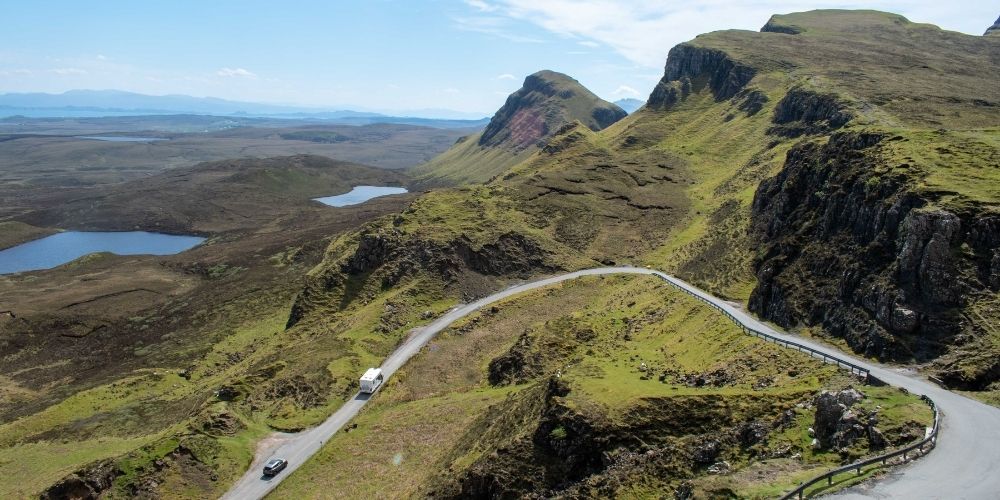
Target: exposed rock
(227, 393)
(750, 101)
(883, 272)
(538, 109)
(805, 112)
(516, 365)
(722, 467)
(85, 484)
(685, 62)
(386, 257)
(706, 452)
(926, 264)
(993, 30)
(752, 433)
(836, 425)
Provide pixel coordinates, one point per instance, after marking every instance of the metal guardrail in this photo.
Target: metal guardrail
(929, 441)
(827, 358)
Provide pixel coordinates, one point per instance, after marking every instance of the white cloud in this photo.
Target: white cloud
(506, 76)
(451, 90)
(492, 25)
(643, 31)
(102, 57)
(589, 43)
(481, 6)
(16, 72)
(625, 90)
(236, 72)
(69, 71)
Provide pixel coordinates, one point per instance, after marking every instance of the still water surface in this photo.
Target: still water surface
(58, 249)
(121, 138)
(360, 194)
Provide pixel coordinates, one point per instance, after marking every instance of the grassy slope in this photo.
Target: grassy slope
(414, 429)
(14, 233)
(721, 153)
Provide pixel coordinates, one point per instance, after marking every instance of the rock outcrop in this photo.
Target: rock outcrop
(687, 64)
(838, 425)
(386, 257)
(993, 30)
(543, 105)
(88, 483)
(803, 111)
(863, 255)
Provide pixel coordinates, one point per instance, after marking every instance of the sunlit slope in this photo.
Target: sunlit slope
(545, 103)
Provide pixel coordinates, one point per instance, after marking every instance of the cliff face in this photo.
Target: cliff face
(689, 68)
(865, 255)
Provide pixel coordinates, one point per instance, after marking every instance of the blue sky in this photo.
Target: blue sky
(396, 55)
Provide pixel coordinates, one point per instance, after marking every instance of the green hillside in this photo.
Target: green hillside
(545, 103)
(835, 172)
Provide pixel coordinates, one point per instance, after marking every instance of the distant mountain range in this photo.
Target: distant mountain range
(92, 103)
(629, 104)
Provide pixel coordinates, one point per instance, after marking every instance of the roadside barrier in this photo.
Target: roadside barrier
(921, 447)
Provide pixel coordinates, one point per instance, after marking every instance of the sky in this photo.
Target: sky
(382, 55)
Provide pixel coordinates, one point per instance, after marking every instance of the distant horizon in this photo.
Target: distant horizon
(435, 114)
(383, 56)
(302, 108)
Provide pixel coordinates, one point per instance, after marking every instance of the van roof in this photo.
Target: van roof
(371, 374)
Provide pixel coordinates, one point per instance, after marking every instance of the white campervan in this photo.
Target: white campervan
(371, 380)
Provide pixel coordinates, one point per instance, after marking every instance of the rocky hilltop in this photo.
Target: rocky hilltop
(547, 102)
(993, 30)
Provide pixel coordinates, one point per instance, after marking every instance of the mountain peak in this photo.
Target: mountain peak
(993, 30)
(545, 102)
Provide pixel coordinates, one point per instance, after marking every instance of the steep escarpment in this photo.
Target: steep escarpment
(546, 103)
(849, 242)
(861, 167)
(690, 67)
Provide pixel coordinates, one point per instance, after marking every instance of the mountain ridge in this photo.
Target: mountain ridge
(546, 103)
(88, 102)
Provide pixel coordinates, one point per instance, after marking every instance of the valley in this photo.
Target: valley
(530, 286)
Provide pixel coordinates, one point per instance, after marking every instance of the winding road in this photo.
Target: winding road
(964, 465)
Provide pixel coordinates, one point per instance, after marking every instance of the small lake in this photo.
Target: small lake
(359, 194)
(121, 138)
(58, 249)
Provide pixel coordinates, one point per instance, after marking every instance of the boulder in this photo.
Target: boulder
(836, 426)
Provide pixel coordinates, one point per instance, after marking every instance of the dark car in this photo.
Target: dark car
(274, 466)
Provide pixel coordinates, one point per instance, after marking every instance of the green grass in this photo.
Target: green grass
(13, 233)
(38, 465)
(402, 441)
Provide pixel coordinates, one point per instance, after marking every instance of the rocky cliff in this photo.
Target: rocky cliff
(547, 102)
(863, 253)
(690, 67)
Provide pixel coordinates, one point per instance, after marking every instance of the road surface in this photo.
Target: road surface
(964, 465)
